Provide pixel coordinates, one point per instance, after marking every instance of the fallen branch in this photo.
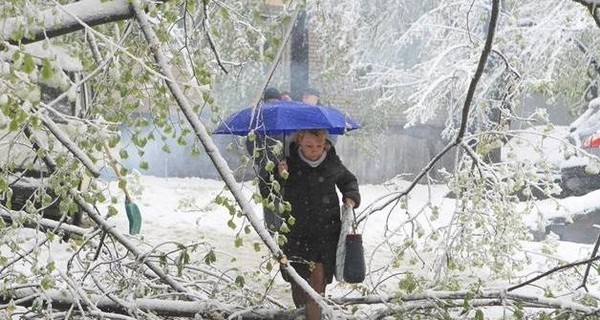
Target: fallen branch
(42, 223)
(457, 299)
(64, 300)
(129, 245)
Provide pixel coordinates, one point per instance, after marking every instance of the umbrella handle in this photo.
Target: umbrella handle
(284, 151)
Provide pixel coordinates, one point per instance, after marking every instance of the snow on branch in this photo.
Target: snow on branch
(433, 299)
(64, 300)
(44, 223)
(53, 22)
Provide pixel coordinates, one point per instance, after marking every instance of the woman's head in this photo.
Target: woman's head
(312, 143)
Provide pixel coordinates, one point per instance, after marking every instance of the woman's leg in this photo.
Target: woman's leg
(298, 295)
(318, 282)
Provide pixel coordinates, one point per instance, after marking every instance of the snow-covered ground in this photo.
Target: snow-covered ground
(182, 211)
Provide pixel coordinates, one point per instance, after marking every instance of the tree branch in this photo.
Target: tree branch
(587, 269)
(64, 300)
(62, 21)
(484, 297)
(220, 164)
(108, 228)
(487, 49)
(553, 270)
(45, 224)
(213, 47)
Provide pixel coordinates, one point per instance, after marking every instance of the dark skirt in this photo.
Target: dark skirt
(303, 253)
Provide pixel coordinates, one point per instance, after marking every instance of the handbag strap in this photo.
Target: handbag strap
(354, 223)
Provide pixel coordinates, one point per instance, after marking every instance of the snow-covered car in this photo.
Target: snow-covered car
(580, 173)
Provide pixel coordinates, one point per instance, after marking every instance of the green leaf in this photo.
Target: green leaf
(408, 283)
(51, 266)
(47, 282)
(182, 261)
(181, 140)
(288, 206)
(224, 13)
(291, 221)
(284, 228)
(285, 174)
(12, 307)
(28, 64)
(210, 257)
(240, 281)
(270, 166)
(231, 224)
(112, 211)
(122, 184)
(123, 154)
(47, 70)
(238, 242)
(276, 186)
(281, 240)
(479, 315)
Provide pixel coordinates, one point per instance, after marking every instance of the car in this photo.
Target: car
(580, 173)
(561, 162)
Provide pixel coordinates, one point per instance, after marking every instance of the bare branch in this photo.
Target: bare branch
(587, 270)
(213, 47)
(553, 270)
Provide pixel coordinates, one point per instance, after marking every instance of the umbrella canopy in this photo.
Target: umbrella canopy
(283, 117)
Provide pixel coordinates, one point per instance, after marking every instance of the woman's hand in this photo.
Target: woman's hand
(283, 169)
(350, 203)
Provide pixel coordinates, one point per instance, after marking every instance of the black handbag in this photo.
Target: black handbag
(354, 256)
(354, 262)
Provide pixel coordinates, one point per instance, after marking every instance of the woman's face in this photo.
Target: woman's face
(312, 147)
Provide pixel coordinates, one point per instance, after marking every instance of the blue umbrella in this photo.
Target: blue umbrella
(284, 117)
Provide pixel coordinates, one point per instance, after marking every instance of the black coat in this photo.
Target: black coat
(316, 206)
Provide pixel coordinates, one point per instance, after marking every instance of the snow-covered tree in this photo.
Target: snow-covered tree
(426, 65)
